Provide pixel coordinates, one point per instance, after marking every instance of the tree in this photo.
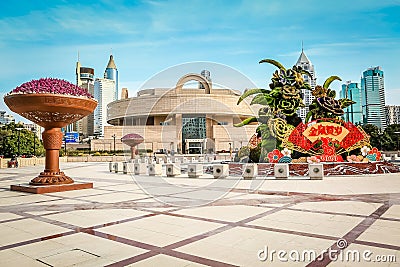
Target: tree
(393, 134)
(9, 141)
(379, 139)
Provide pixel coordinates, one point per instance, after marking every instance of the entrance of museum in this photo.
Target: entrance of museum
(195, 146)
(193, 134)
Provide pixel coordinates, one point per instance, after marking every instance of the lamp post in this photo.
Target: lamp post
(113, 136)
(34, 141)
(19, 129)
(230, 151)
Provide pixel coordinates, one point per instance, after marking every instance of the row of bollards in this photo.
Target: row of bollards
(194, 170)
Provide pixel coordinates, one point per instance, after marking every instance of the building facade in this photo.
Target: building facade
(306, 64)
(352, 91)
(85, 79)
(183, 120)
(111, 73)
(206, 74)
(373, 97)
(392, 115)
(6, 118)
(104, 93)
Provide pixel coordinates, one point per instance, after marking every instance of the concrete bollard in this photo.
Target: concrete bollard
(281, 171)
(140, 168)
(250, 171)
(111, 166)
(127, 167)
(172, 170)
(155, 169)
(118, 167)
(220, 170)
(316, 171)
(195, 170)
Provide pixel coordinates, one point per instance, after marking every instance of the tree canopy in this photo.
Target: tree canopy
(28, 142)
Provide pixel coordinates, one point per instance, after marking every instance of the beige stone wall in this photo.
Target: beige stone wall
(166, 137)
(237, 136)
(156, 137)
(220, 102)
(168, 105)
(24, 162)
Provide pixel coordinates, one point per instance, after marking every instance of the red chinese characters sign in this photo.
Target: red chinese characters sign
(325, 137)
(327, 130)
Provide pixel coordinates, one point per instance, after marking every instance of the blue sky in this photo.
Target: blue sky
(42, 38)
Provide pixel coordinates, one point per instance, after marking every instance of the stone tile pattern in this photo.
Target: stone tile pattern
(117, 224)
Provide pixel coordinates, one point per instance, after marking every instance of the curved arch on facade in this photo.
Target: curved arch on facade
(190, 77)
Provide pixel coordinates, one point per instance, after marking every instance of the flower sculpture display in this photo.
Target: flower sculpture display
(274, 156)
(325, 105)
(53, 104)
(313, 159)
(365, 150)
(132, 140)
(280, 103)
(324, 134)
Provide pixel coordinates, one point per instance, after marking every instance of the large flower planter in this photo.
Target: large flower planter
(52, 112)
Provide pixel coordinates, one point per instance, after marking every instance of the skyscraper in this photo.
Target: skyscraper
(306, 64)
(104, 92)
(206, 74)
(392, 115)
(373, 97)
(111, 73)
(352, 91)
(85, 79)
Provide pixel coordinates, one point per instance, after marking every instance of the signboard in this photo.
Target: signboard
(71, 137)
(325, 129)
(326, 138)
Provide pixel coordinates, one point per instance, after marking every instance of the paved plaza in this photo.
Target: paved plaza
(159, 221)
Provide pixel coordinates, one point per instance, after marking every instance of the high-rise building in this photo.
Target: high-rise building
(206, 74)
(111, 73)
(6, 118)
(306, 64)
(392, 115)
(373, 97)
(124, 93)
(352, 91)
(85, 80)
(104, 93)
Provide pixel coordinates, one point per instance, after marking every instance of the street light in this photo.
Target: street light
(113, 136)
(19, 135)
(34, 141)
(230, 151)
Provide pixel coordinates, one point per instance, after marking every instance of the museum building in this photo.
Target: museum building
(183, 120)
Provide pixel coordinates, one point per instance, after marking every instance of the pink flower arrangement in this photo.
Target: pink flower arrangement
(132, 136)
(313, 159)
(353, 158)
(51, 86)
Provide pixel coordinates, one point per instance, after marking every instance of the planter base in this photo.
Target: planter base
(50, 178)
(42, 189)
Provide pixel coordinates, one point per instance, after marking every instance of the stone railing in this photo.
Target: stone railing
(24, 162)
